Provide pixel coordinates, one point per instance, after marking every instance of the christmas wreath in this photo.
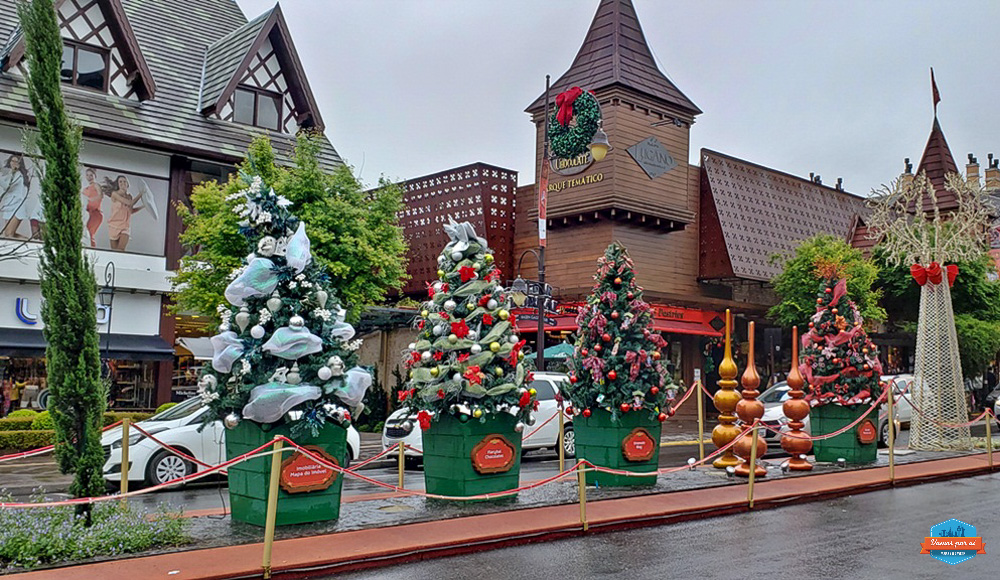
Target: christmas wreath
(568, 139)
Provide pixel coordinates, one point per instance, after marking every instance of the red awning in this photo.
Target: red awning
(683, 327)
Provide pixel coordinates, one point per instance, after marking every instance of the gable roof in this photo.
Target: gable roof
(615, 52)
(121, 32)
(760, 212)
(937, 162)
(227, 60)
(174, 37)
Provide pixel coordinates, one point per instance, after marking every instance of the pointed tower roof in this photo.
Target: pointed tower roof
(937, 162)
(615, 52)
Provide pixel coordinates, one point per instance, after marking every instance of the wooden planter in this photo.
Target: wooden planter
(471, 458)
(309, 492)
(630, 444)
(849, 445)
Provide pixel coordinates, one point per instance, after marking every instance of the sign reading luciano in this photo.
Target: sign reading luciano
(653, 157)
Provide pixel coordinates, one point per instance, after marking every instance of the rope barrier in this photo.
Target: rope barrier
(385, 452)
(874, 405)
(687, 394)
(46, 449)
(951, 425)
(546, 422)
(413, 449)
(170, 448)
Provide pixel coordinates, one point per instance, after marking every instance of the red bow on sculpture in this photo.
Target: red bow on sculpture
(934, 273)
(564, 101)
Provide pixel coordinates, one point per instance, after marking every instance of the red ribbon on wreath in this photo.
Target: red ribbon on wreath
(565, 101)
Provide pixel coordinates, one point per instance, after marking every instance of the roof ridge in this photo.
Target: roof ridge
(778, 171)
(238, 29)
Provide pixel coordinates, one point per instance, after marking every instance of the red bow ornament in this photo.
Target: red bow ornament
(934, 273)
(565, 101)
(952, 274)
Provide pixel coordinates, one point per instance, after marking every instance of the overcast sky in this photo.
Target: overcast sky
(411, 87)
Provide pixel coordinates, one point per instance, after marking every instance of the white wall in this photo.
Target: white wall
(137, 313)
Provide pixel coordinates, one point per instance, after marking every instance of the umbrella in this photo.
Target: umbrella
(560, 351)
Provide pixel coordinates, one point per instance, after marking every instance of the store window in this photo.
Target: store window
(85, 66)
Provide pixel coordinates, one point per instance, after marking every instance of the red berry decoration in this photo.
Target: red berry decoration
(819, 301)
(572, 379)
(614, 315)
(586, 412)
(654, 391)
(597, 348)
(656, 355)
(630, 295)
(569, 410)
(606, 337)
(625, 407)
(833, 310)
(585, 352)
(661, 417)
(828, 290)
(612, 375)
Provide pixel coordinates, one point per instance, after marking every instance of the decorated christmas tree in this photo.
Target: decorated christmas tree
(283, 352)
(466, 360)
(839, 362)
(616, 360)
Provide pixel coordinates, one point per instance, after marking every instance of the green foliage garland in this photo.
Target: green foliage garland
(466, 360)
(571, 140)
(67, 279)
(616, 359)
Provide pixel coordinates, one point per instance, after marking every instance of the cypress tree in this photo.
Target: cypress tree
(72, 355)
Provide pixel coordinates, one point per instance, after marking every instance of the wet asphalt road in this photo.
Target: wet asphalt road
(869, 536)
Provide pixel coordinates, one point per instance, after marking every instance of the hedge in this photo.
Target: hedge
(112, 417)
(42, 422)
(164, 407)
(23, 413)
(16, 423)
(25, 440)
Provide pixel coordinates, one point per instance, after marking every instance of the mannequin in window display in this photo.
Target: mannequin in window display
(123, 205)
(14, 182)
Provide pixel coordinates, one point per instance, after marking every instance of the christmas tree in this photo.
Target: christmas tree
(839, 362)
(616, 360)
(466, 360)
(283, 352)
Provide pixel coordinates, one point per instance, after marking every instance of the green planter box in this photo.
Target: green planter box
(248, 481)
(599, 441)
(829, 418)
(449, 446)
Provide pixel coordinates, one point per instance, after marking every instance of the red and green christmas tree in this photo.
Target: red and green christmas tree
(617, 357)
(839, 361)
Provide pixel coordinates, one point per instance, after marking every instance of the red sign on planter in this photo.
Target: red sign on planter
(301, 473)
(638, 445)
(867, 432)
(494, 454)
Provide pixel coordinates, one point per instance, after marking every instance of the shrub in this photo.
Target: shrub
(112, 417)
(38, 536)
(15, 423)
(42, 421)
(25, 440)
(164, 407)
(23, 413)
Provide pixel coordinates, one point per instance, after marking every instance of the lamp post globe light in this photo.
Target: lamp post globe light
(106, 296)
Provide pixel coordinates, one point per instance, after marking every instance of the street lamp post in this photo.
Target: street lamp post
(107, 297)
(519, 291)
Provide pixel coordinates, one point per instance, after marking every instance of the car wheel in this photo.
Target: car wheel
(569, 441)
(165, 466)
(348, 457)
(883, 434)
(411, 462)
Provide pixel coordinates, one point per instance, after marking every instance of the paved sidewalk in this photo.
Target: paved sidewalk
(367, 548)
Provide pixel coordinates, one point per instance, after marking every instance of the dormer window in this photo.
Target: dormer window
(257, 107)
(85, 66)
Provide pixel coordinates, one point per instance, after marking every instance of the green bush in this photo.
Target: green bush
(25, 440)
(42, 422)
(15, 423)
(54, 535)
(23, 413)
(112, 417)
(164, 407)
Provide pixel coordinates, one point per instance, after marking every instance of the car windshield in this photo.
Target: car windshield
(775, 394)
(185, 409)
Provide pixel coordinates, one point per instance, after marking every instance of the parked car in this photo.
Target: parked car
(774, 417)
(403, 426)
(178, 427)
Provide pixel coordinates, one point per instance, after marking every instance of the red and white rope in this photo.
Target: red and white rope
(840, 431)
(42, 450)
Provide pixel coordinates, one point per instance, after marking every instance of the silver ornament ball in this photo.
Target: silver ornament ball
(257, 331)
(231, 420)
(324, 373)
(492, 304)
(456, 256)
(296, 321)
(450, 305)
(407, 426)
(476, 349)
(519, 427)
(425, 356)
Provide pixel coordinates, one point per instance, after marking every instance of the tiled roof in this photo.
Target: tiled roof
(763, 212)
(937, 162)
(224, 57)
(615, 52)
(174, 36)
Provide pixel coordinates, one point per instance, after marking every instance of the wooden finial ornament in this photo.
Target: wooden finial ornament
(749, 410)
(796, 409)
(725, 401)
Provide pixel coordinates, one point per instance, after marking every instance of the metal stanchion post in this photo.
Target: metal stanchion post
(701, 421)
(402, 465)
(582, 486)
(989, 439)
(892, 436)
(562, 450)
(124, 483)
(272, 505)
(753, 461)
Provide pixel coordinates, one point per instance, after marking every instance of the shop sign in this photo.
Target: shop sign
(638, 446)
(22, 309)
(576, 181)
(567, 167)
(494, 454)
(867, 432)
(652, 157)
(301, 473)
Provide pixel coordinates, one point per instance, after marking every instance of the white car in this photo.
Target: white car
(178, 427)
(774, 416)
(547, 434)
